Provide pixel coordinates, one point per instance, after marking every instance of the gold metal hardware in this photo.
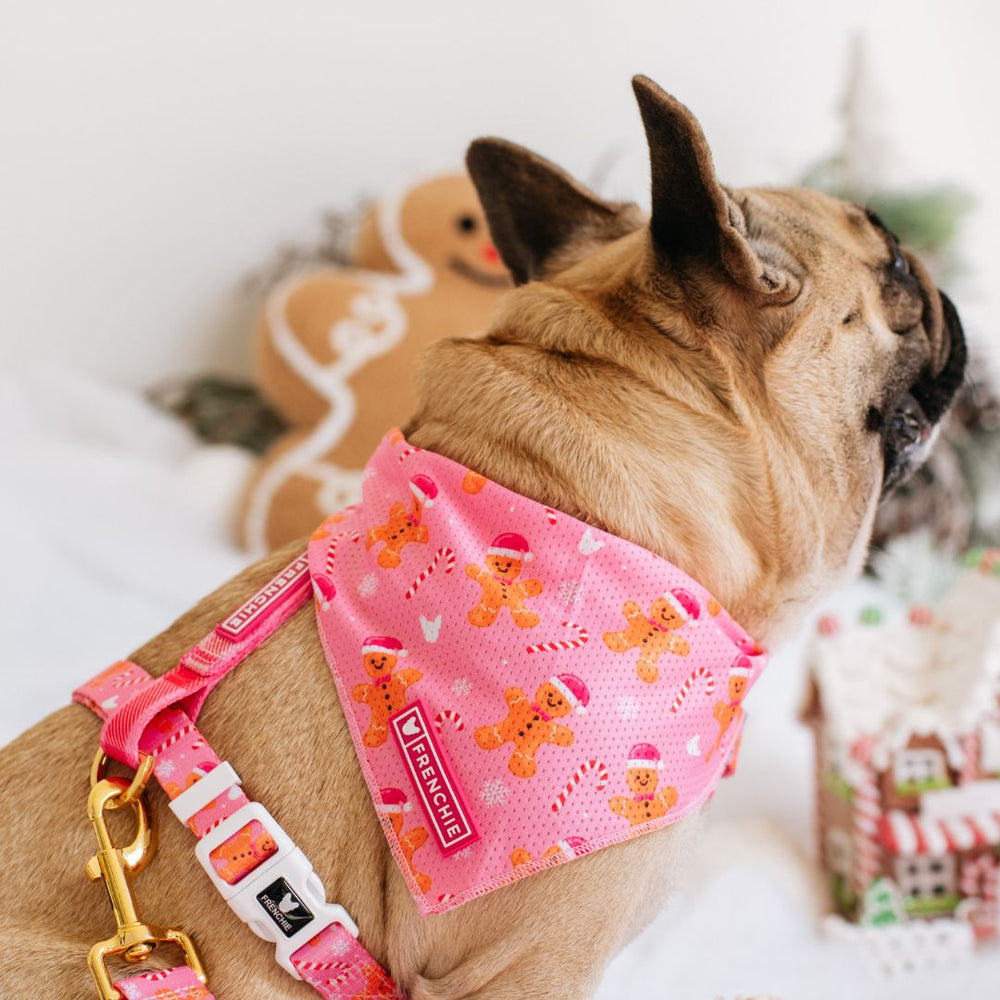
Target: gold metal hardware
(99, 767)
(133, 940)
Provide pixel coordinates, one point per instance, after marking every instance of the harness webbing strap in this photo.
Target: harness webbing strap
(179, 983)
(264, 877)
(204, 665)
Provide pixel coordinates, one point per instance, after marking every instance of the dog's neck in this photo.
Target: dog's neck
(594, 425)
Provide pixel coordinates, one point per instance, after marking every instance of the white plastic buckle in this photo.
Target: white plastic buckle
(282, 900)
(207, 789)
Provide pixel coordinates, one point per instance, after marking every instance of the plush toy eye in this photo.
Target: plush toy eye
(467, 223)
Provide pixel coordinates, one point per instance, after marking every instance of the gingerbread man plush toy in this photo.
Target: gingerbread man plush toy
(531, 724)
(505, 559)
(404, 525)
(394, 805)
(386, 693)
(336, 348)
(728, 712)
(654, 634)
(643, 775)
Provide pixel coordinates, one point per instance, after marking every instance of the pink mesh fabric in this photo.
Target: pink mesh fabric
(581, 689)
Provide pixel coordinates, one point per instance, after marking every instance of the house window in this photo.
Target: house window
(916, 771)
(928, 883)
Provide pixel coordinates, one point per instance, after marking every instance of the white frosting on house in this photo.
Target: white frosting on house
(974, 798)
(906, 948)
(896, 680)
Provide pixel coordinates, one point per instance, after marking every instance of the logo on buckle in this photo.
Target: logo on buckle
(281, 904)
(440, 793)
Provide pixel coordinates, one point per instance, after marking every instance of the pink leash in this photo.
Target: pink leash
(254, 864)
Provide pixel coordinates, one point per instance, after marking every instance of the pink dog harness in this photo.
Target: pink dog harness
(514, 705)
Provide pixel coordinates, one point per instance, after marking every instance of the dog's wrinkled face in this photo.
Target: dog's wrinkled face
(771, 357)
(864, 358)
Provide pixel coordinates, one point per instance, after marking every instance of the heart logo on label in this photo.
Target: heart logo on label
(431, 628)
(589, 544)
(694, 745)
(411, 727)
(110, 703)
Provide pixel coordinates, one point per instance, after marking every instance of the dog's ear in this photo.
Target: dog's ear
(693, 216)
(534, 209)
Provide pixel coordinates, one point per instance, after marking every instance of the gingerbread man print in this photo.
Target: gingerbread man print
(386, 694)
(394, 805)
(729, 712)
(404, 526)
(522, 856)
(529, 725)
(642, 775)
(236, 857)
(505, 559)
(378, 985)
(654, 634)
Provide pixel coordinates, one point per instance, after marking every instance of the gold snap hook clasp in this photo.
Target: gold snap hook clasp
(133, 939)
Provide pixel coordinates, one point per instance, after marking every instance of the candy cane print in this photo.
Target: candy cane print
(329, 973)
(577, 777)
(553, 647)
(689, 683)
(173, 738)
(449, 715)
(331, 549)
(407, 452)
(447, 555)
(154, 977)
(324, 591)
(128, 678)
(550, 515)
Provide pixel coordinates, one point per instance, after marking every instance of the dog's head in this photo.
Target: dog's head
(768, 362)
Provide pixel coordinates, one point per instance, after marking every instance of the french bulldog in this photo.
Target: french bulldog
(733, 382)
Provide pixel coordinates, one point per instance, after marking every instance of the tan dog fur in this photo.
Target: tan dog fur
(699, 386)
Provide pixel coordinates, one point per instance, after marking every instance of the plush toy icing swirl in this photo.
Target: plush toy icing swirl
(335, 348)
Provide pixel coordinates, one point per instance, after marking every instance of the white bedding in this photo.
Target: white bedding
(113, 519)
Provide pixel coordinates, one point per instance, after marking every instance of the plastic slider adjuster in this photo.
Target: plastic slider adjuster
(206, 789)
(282, 900)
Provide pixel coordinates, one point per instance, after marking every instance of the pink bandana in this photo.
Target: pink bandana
(521, 688)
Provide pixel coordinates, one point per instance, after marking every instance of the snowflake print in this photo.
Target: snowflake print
(494, 792)
(628, 706)
(368, 586)
(462, 687)
(465, 852)
(337, 946)
(166, 768)
(570, 592)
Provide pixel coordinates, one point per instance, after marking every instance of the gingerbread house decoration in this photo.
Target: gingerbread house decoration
(906, 716)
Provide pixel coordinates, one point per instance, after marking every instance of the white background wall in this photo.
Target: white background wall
(151, 155)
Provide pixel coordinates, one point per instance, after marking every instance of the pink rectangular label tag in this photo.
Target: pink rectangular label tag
(437, 787)
(252, 612)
